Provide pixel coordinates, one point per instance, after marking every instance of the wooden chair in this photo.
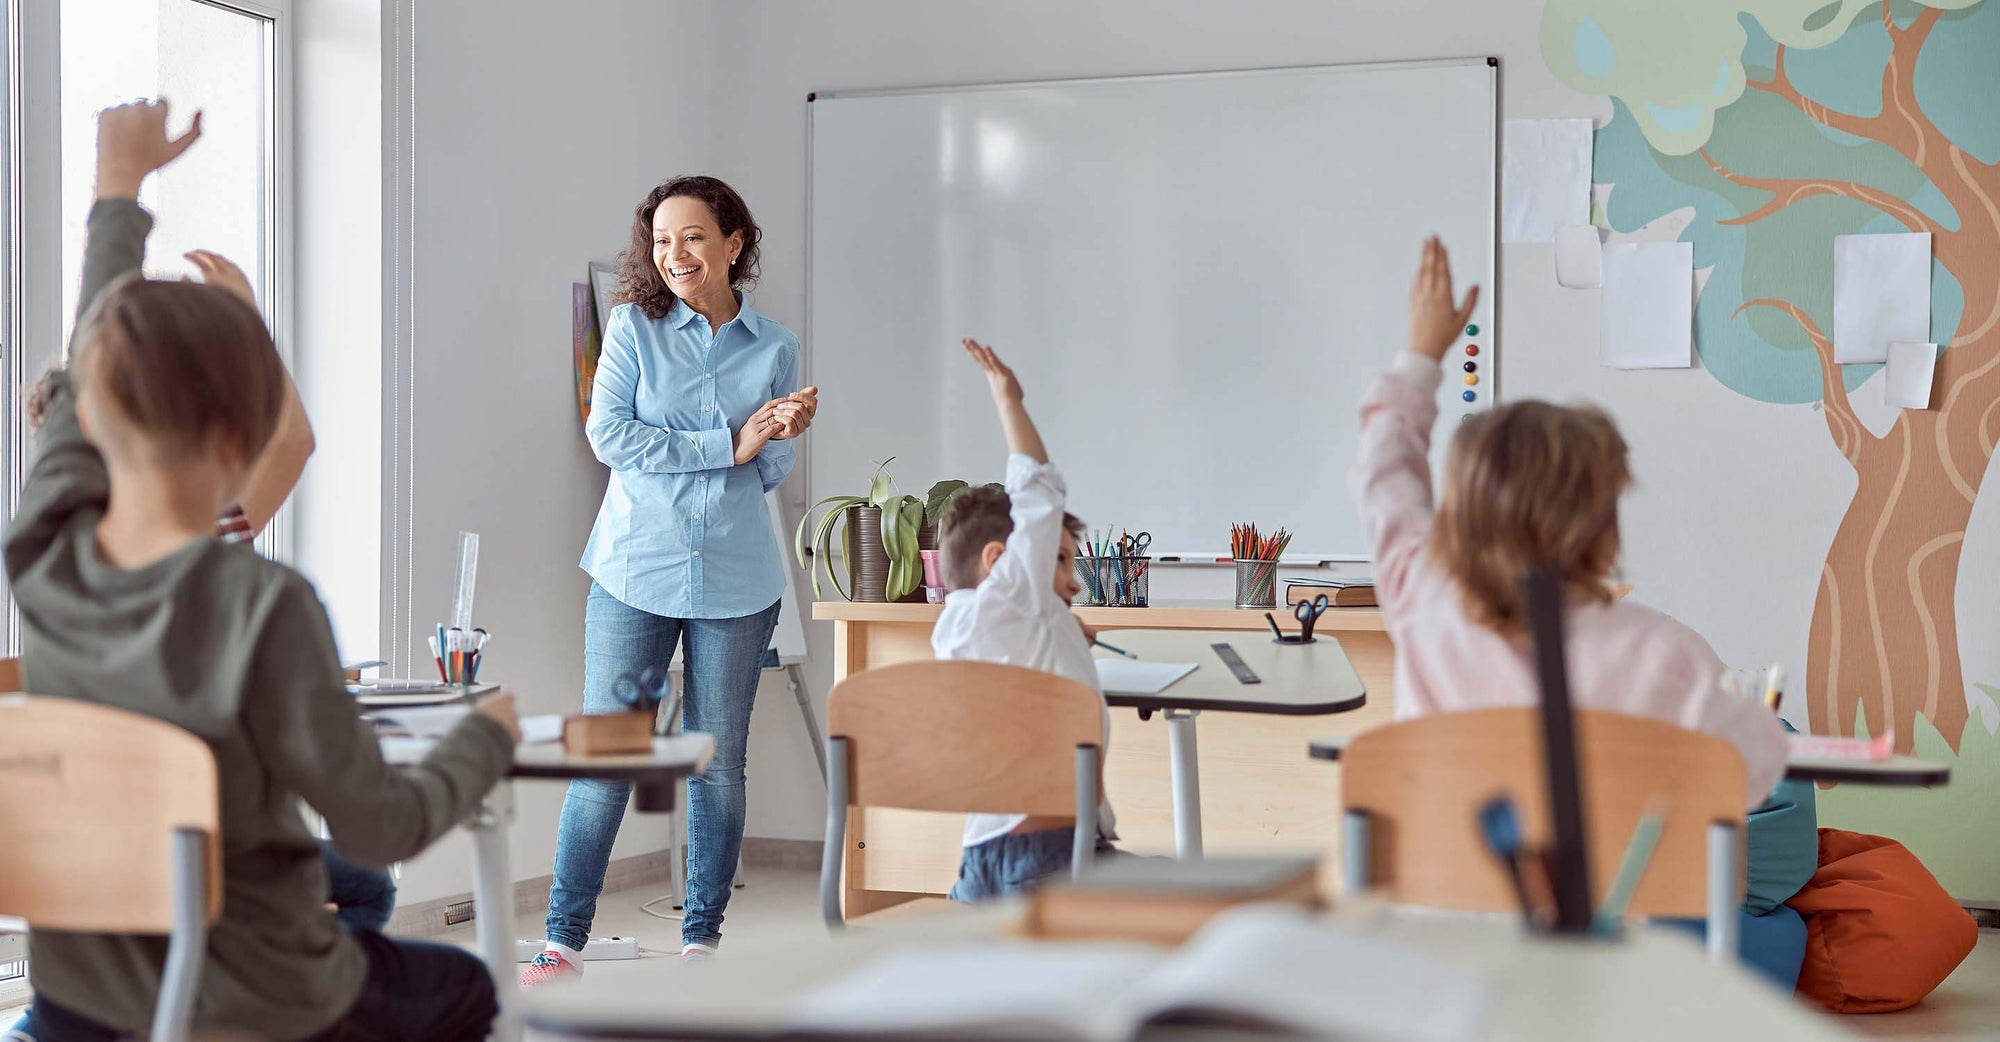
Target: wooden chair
(111, 823)
(1412, 791)
(10, 675)
(960, 737)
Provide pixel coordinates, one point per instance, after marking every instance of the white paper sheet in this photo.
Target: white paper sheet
(1881, 293)
(1579, 257)
(1647, 317)
(1906, 382)
(545, 727)
(1544, 177)
(1127, 677)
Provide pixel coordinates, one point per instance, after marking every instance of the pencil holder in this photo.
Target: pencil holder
(1113, 582)
(1256, 584)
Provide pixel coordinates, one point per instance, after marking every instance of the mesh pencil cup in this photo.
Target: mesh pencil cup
(1117, 581)
(1256, 584)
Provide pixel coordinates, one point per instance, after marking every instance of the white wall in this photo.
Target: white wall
(538, 128)
(540, 125)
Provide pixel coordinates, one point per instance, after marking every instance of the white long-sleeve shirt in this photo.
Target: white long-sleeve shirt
(1015, 618)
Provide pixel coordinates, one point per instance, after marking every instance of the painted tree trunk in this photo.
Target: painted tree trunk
(1884, 627)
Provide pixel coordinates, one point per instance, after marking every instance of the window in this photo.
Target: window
(228, 60)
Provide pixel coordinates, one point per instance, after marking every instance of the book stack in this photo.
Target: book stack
(1163, 901)
(1342, 593)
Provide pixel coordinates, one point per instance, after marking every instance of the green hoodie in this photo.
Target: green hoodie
(237, 650)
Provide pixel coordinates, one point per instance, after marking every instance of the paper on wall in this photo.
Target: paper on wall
(1881, 293)
(1906, 381)
(1646, 320)
(1579, 257)
(1544, 177)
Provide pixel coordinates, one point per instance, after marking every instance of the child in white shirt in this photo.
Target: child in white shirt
(996, 550)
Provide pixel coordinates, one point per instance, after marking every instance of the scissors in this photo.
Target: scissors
(1308, 613)
(643, 690)
(1135, 545)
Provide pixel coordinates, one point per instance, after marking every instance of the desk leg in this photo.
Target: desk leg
(1182, 761)
(493, 905)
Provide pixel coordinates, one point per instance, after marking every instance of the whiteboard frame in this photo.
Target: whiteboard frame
(1491, 292)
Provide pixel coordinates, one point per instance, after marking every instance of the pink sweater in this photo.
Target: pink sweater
(1622, 657)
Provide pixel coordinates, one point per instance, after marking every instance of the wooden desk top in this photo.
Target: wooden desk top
(1163, 615)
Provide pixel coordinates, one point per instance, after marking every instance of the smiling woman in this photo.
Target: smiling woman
(694, 409)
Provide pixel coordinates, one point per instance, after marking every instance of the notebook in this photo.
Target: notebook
(1126, 677)
(1263, 968)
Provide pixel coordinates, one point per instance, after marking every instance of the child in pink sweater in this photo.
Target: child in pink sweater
(1533, 482)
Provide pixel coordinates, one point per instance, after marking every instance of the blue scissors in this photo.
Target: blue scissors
(1308, 613)
(1135, 545)
(643, 690)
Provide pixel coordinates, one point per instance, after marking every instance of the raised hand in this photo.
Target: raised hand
(132, 142)
(1435, 322)
(1000, 379)
(222, 273)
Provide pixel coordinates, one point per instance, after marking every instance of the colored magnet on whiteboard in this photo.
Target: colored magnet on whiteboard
(1472, 379)
(1472, 367)
(1470, 396)
(1472, 349)
(1471, 330)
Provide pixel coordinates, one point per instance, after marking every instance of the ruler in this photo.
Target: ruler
(1244, 674)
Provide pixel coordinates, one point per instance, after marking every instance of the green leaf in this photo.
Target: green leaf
(899, 531)
(823, 537)
(938, 500)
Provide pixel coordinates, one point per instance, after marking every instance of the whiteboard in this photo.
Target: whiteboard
(1196, 278)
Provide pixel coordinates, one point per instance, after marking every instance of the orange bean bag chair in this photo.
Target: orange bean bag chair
(1880, 932)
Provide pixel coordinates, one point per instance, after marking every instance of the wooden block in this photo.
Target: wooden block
(608, 734)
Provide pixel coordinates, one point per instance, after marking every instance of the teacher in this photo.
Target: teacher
(695, 405)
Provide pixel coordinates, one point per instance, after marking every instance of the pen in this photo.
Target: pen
(1114, 650)
(1774, 685)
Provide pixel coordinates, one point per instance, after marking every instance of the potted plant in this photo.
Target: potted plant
(876, 538)
(936, 502)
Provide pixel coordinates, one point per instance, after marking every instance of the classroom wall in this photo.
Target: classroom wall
(537, 132)
(537, 129)
(1736, 501)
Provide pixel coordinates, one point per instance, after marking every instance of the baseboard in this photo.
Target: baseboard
(785, 854)
(531, 898)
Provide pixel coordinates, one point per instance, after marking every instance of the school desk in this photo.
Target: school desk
(653, 777)
(1896, 771)
(1291, 680)
(1268, 800)
(1651, 985)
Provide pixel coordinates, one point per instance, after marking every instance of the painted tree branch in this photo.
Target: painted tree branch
(1787, 190)
(1849, 435)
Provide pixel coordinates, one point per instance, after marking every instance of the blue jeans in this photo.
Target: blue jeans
(723, 660)
(1016, 863)
(415, 992)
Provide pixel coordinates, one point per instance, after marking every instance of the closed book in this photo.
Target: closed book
(1341, 593)
(1165, 901)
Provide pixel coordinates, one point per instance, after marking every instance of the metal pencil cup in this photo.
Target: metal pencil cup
(1256, 584)
(1114, 581)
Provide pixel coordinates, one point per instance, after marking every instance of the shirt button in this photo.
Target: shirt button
(706, 408)
(704, 478)
(708, 376)
(697, 553)
(697, 517)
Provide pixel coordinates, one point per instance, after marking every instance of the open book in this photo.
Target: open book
(1258, 967)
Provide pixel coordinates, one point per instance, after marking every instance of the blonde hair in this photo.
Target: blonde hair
(1530, 484)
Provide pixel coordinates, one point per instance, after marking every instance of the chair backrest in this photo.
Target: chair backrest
(967, 737)
(91, 800)
(1423, 781)
(10, 675)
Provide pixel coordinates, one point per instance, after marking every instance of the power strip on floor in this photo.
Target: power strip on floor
(599, 948)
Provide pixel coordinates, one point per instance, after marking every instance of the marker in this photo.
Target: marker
(1114, 650)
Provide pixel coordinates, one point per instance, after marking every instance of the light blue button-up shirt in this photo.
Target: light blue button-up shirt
(683, 531)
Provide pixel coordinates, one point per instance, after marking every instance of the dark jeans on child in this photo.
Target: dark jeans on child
(415, 992)
(1016, 863)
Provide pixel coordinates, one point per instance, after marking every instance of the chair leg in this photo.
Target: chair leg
(1083, 847)
(1355, 831)
(1724, 890)
(173, 1017)
(835, 850)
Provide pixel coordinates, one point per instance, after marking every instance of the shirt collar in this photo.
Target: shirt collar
(680, 315)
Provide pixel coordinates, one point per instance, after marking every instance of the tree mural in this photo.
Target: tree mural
(1772, 126)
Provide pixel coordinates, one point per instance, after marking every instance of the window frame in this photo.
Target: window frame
(31, 319)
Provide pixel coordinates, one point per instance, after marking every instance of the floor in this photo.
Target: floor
(778, 903)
